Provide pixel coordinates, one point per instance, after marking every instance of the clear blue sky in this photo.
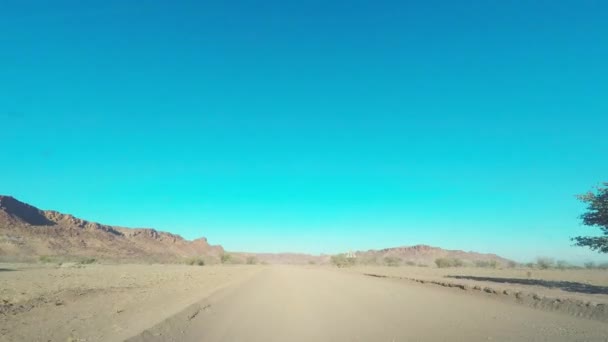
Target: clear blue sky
(311, 126)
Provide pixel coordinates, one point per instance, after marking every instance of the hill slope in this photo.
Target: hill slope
(426, 255)
(26, 232)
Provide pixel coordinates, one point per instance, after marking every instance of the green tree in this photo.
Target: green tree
(596, 216)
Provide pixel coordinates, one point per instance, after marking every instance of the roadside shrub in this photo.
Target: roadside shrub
(544, 263)
(448, 262)
(562, 264)
(46, 259)
(530, 265)
(225, 258)
(486, 264)
(392, 261)
(251, 260)
(410, 263)
(195, 261)
(341, 260)
(87, 261)
(511, 264)
(367, 260)
(591, 265)
(311, 262)
(443, 262)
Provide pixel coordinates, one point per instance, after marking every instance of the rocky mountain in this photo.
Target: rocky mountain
(419, 254)
(28, 232)
(426, 255)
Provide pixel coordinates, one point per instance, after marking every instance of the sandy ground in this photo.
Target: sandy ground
(267, 303)
(101, 302)
(592, 277)
(314, 304)
(585, 286)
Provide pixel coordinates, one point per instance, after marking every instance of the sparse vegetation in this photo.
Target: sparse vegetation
(195, 261)
(367, 260)
(562, 264)
(593, 266)
(596, 216)
(87, 261)
(251, 260)
(341, 260)
(225, 258)
(46, 259)
(392, 261)
(448, 262)
(511, 264)
(410, 263)
(544, 263)
(486, 263)
(311, 262)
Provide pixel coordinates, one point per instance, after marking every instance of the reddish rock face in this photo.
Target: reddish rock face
(22, 212)
(48, 232)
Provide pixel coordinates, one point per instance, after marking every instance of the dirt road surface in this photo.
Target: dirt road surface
(312, 304)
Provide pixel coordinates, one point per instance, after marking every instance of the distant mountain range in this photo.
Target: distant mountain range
(27, 232)
(426, 255)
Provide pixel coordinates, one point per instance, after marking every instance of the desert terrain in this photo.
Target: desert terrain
(101, 302)
(113, 302)
(63, 278)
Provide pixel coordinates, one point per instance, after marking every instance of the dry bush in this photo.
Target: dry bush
(590, 265)
(46, 259)
(225, 258)
(341, 260)
(593, 266)
(544, 262)
(87, 261)
(486, 263)
(195, 261)
(562, 265)
(392, 261)
(448, 262)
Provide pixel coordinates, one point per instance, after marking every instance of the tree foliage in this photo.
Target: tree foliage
(596, 216)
